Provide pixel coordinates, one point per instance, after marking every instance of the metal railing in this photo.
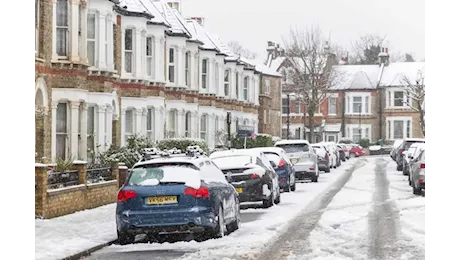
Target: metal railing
(98, 175)
(58, 180)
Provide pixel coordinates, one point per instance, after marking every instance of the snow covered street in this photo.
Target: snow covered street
(362, 210)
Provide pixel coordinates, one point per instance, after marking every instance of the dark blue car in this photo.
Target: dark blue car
(282, 165)
(179, 194)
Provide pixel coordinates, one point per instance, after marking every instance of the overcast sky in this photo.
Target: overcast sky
(254, 22)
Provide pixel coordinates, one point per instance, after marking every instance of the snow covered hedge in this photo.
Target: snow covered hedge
(261, 140)
(182, 144)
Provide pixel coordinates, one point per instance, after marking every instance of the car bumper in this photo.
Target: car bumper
(191, 220)
(304, 167)
(300, 176)
(252, 191)
(421, 181)
(283, 178)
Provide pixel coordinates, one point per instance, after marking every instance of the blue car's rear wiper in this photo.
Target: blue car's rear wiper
(170, 182)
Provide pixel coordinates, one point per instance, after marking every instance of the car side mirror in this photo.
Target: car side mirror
(274, 165)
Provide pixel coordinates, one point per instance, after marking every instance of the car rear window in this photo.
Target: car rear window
(273, 157)
(235, 161)
(407, 144)
(165, 174)
(294, 148)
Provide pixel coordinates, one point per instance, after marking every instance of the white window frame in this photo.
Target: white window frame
(65, 28)
(188, 63)
(129, 52)
(365, 129)
(150, 57)
(172, 64)
(204, 73)
(91, 129)
(334, 138)
(246, 88)
(172, 119)
(108, 23)
(150, 132)
(390, 100)
(366, 108)
(203, 130)
(93, 40)
(332, 102)
(227, 76)
(129, 124)
(407, 125)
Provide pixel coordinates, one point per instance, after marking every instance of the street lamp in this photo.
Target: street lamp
(288, 121)
(359, 122)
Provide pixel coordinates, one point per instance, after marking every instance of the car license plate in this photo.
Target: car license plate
(162, 200)
(239, 190)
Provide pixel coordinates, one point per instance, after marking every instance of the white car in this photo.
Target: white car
(333, 150)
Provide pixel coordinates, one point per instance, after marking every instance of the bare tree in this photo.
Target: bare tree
(311, 76)
(416, 93)
(239, 50)
(367, 49)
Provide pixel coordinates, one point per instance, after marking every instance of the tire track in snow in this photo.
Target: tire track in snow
(294, 239)
(383, 220)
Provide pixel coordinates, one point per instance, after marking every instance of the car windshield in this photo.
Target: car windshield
(232, 161)
(159, 174)
(407, 144)
(294, 148)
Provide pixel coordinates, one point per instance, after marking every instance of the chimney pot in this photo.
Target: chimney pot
(270, 43)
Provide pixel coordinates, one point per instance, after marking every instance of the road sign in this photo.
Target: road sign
(244, 130)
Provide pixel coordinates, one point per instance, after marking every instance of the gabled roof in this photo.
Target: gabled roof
(201, 34)
(223, 48)
(356, 76)
(395, 72)
(168, 13)
(133, 8)
(152, 9)
(261, 68)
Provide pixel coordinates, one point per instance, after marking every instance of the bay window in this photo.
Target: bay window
(332, 106)
(204, 73)
(149, 57)
(171, 65)
(203, 127)
(62, 144)
(187, 68)
(129, 50)
(226, 82)
(62, 27)
(246, 88)
(91, 39)
(399, 127)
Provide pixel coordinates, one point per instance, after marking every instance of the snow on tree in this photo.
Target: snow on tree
(239, 50)
(311, 77)
(415, 91)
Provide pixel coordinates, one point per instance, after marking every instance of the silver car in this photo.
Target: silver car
(417, 172)
(303, 157)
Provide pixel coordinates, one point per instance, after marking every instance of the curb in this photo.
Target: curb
(89, 251)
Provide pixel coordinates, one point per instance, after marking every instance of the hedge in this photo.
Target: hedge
(261, 140)
(182, 144)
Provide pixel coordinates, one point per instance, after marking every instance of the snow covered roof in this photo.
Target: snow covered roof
(395, 72)
(170, 16)
(133, 7)
(276, 63)
(356, 76)
(224, 48)
(262, 68)
(152, 9)
(202, 35)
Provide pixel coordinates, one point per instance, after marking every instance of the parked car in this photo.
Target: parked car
(334, 150)
(303, 157)
(417, 172)
(324, 160)
(355, 150)
(342, 148)
(403, 147)
(396, 144)
(345, 150)
(282, 165)
(251, 173)
(409, 156)
(176, 194)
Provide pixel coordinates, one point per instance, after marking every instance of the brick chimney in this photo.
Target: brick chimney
(271, 50)
(384, 57)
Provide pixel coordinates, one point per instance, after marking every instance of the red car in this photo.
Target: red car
(355, 150)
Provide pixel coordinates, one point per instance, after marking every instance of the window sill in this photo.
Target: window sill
(39, 59)
(358, 115)
(332, 115)
(398, 108)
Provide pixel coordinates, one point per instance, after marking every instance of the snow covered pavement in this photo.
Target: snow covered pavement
(259, 228)
(374, 216)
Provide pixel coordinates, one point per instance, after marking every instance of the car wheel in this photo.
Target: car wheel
(278, 199)
(124, 238)
(416, 191)
(235, 225)
(269, 202)
(293, 187)
(220, 229)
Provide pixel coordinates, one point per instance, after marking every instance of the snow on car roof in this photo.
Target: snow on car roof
(291, 142)
(234, 152)
(184, 159)
(233, 161)
(268, 149)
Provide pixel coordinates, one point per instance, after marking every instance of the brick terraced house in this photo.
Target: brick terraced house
(108, 69)
(369, 102)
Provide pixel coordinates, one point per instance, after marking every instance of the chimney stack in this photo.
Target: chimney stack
(199, 20)
(384, 57)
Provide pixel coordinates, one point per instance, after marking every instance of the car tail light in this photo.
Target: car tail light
(312, 169)
(255, 176)
(201, 192)
(282, 163)
(422, 166)
(125, 195)
(401, 151)
(282, 179)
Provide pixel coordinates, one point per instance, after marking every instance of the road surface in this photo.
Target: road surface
(364, 211)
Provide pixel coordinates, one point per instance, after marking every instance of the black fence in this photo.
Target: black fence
(58, 180)
(98, 175)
